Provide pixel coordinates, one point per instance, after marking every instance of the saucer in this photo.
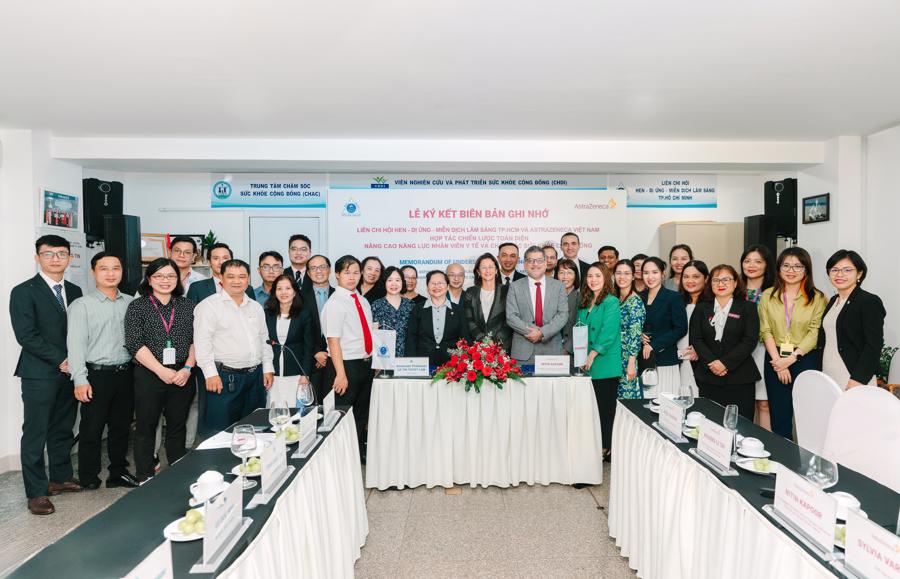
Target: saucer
(747, 464)
(760, 454)
(194, 502)
(172, 533)
(689, 432)
(236, 471)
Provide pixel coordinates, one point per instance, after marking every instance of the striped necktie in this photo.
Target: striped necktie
(59, 297)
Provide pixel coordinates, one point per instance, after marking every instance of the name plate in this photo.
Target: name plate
(274, 465)
(157, 565)
(551, 365)
(411, 367)
(223, 519)
(671, 416)
(810, 510)
(715, 443)
(871, 550)
(308, 428)
(327, 405)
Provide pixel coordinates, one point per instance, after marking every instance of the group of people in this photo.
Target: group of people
(204, 353)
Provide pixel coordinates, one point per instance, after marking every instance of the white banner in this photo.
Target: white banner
(385, 343)
(268, 190)
(666, 190)
(431, 221)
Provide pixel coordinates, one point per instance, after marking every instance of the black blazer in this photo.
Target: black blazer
(516, 275)
(666, 322)
(307, 285)
(40, 327)
(739, 338)
(860, 334)
(200, 290)
(496, 323)
(300, 341)
(320, 344)
(583, 267)
(420, 333)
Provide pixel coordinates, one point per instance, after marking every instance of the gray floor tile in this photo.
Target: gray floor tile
(552, 497)
(389, 501)
(436, 500)
(601, 494)
(386, 530)
(565, 533)
(455, 536)
(484, 569)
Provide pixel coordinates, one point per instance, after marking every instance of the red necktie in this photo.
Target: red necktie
(538, 305)
(367, 335)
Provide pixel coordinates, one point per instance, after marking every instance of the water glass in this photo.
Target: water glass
(279, 415)
(684, 396)
(731, 417)
(822, 472)
(243, 444)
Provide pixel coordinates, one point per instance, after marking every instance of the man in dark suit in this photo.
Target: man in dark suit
(37, 308)
(299, 252)
(217, 254)
(570, 244)
(318, 268)
(537, 310)
(508, 256)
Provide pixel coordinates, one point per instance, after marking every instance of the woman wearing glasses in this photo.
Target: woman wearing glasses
(790, 315)
(724, 332)
(853, 325)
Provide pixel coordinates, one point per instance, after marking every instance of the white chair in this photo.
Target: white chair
(864, 434)
(814, 395)
(894, 370)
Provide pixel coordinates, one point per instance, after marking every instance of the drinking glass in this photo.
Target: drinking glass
(305, 397)
(685, 396)
(279, 415)
(730, 422)
(822, 472)
(243, 443)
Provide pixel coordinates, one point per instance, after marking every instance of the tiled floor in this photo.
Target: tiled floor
(553, 531)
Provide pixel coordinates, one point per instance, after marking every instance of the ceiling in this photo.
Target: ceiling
(403, 69)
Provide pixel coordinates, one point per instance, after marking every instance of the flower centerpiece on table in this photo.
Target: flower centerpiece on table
(475, 363)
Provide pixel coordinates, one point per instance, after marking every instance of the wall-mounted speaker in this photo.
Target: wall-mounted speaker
(122, 238)
(781, 206)
(101, 198)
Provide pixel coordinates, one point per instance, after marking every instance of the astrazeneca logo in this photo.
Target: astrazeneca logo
(611, 204)
(383, 351)
(222, 190)
(380, 183)
(351, 208)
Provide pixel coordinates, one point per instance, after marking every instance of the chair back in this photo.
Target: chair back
(814, 395)
(894, 371)
(864, 434)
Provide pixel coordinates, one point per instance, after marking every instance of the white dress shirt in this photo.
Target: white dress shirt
(231, 334)
(340, 319)
(52, 283)
(191, 278)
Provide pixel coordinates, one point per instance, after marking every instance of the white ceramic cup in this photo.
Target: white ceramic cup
(846, 502)
(693, 418)
(208, 483)
(752, 445)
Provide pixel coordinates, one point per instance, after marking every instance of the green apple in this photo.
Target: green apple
(200, 527)
(192, 516)
(185, 527)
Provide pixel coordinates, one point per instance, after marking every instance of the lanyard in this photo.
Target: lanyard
(788, 314)
(168, 327)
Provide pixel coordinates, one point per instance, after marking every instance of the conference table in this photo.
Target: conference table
(541, 431)
(674, 517)
(314, 526)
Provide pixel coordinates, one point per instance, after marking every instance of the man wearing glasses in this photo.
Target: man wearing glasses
(271, 265)
(536, 311)
(37, 309)
(299, 252)
(184, 251)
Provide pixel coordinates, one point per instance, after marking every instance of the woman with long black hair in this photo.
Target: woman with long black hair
(758, 275)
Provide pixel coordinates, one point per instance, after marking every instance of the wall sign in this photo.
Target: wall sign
(661, 190)
(268, 190)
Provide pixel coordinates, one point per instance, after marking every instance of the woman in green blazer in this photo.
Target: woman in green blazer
(599, 311)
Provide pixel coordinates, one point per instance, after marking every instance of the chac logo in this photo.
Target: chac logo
(351, 208)
(380, 183)
(222, 190)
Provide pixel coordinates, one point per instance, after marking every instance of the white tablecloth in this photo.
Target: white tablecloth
(673, 518)
(544, 431)
(319, 523)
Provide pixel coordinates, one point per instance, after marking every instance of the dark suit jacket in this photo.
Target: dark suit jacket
(40, 327)
(307, 285)
(320, 344)
(496, 323)
(420, 333)
(200, 290)
(860, 334)
(300, 341)
(739, 339)
(583, 266)
(516, 275)
(666, 322)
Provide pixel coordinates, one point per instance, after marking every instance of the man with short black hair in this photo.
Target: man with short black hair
(216, 255)
(608, 256)
(102, 373)
(570, 244)
(508, 257)
(37, 309)
(184, 252)
(231, 341)
(271, 265)
(319, 270)
(299, 251)
(551, 257)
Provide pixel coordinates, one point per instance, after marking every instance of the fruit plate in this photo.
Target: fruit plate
(172, 532)
(691, 432)
(236, 471)
(749, 464)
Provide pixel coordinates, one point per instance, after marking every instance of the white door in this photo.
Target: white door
(273, 233)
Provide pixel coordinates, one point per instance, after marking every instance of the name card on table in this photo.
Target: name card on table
(331, 416)
(308, 435)
(807, 508)
(384, 351)
(274, 465)
(411, 367)
(715, 443)
(871, 550)
(224, 524)
(157, 565)
(327, 404)
(551, 365)
(671, 417)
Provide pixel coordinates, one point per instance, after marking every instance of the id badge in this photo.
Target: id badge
(786, 349)
(168, 356)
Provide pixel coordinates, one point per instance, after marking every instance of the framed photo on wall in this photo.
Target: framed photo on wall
(153, 246)
(817, 209)
(58, 210)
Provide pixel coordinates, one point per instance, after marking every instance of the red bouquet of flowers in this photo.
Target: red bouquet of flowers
(476, 363)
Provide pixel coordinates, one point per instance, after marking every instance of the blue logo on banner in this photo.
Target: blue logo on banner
(222, 189)
(383, 350)
(351, 208)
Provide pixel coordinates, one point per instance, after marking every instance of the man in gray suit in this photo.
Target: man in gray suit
(536, 310)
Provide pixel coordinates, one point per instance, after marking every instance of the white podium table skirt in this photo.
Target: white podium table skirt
(544, 431)
(319, 523)
(673, 518)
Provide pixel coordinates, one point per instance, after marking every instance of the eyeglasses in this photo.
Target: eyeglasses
(535, 260)
(797, 267)
(317, 267)
(164, 276)
(57, 254)
(722, 280)
(301, 249)
(183, 252)
(271, 268)
(843, 270)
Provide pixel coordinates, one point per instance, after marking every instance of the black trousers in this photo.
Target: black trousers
(781, 396)
(606, 391)
(744, 395)
(112, 406)
(153, 398)
(50, 407)
(357, 394)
